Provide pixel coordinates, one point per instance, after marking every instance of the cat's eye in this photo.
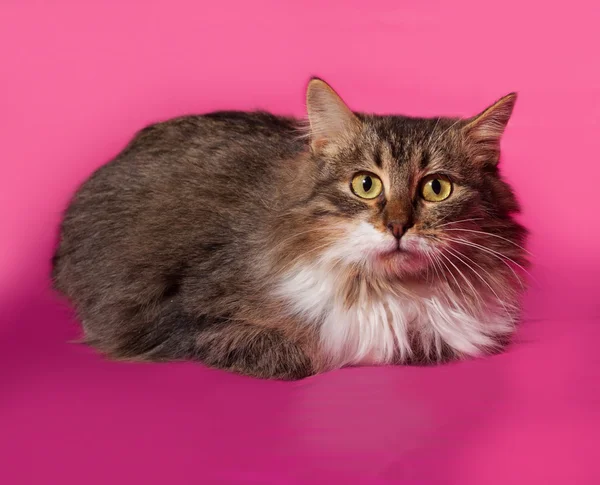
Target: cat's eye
(436, 187)
(366, 185)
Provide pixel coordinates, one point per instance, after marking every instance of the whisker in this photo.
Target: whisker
(433, 265)
(456, 254)
(437, 265)
(427, 271)
(498, 255)
(448, 129)
(293, 236)
(482, 268)
(462, 220)
(452, 274)
(461, 274)
(430, 263)
(475, 292)
(444, 218)
(490, 234)
(433, 131)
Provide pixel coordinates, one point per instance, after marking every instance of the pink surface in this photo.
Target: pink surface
(77, 79)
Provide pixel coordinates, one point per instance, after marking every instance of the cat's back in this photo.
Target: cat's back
(197, 161)
(179, 187)
(221, 140)
(256, 130)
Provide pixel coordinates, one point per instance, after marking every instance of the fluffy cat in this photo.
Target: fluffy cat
(231, 239)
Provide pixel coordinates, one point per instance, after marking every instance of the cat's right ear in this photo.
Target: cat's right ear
(329, 117)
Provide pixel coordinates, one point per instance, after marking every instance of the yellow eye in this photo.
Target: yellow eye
(435, 188)
(366, 185)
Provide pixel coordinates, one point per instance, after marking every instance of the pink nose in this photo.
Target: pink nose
(397, 229)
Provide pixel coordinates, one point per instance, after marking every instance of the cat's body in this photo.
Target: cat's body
(229, 239)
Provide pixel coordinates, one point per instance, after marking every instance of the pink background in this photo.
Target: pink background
(77, 79)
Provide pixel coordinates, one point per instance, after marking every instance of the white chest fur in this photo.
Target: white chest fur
(374, 327)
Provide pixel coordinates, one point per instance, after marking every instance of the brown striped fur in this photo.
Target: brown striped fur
(178, 248)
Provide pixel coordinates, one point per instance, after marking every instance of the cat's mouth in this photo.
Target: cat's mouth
(398, 253)
(397, 248)
(407, 253)
(382, 250)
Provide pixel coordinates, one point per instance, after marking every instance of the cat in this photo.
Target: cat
(280, 249)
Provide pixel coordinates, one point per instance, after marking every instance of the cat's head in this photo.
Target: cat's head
(411, 196)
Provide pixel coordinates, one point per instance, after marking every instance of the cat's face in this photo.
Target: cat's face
(408, 196)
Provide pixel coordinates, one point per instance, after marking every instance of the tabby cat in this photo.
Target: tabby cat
(279, 249)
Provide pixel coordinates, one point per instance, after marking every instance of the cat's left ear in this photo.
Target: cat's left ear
(484, 131)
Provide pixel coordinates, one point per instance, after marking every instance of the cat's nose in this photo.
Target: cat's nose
(397, 228)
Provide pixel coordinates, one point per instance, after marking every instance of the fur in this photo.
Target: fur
(235, 239)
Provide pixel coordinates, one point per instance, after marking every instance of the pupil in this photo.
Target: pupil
(436, 186)
(367, 184)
